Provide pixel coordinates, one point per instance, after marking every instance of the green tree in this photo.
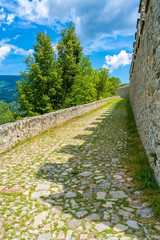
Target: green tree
(69, 55)
(102, 83)
(83, 89)
(40, 87)
(6, 115)
(113, 85)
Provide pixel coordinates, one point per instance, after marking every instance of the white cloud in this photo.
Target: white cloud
(4, 51)
(114, 62)
(21, 51)
(54, 47)
(106, 44)
(17, 36)
(2, 15)
(6, 18)
(10, 19)
(92, 18)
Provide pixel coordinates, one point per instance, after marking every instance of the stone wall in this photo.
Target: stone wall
(124, 91)
(145, 80)
(12, 133)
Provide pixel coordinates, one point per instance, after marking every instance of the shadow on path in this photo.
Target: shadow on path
(87, 177)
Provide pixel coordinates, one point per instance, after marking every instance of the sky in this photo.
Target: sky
(106, 29)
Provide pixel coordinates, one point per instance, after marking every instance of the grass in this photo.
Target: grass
(138, 165)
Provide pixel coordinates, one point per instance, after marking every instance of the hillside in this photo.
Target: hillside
(8, 93)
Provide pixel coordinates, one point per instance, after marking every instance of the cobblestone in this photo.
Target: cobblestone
(67, 183)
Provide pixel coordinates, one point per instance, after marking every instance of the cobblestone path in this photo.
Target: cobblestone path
(67, 183)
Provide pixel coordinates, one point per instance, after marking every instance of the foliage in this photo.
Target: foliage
(6, 115)
(51, 83)
(83, 89)
(113, 85)
(102, 83)
(69, 55)
(40, 86)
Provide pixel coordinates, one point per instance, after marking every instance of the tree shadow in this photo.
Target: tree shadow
(86, 177)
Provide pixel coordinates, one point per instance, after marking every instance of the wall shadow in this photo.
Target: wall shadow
(85, 176)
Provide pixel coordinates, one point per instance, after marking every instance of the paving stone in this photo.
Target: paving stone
(102, 226)
(93, 216)
(118, 194)
(137, 193)
(14, 189)
(73, 223)
(108, 204)
(61, 235)
(81, 214)
(69, 235)
(119, 228)
(66, 215)
(128, 209)
(39, 194)
(133, 224)
(84, 236)
(47, 227)
(125, 238)
(39, 218)
(115, 218)
(88, 225)
(106, 216)
(146, 213)
(96, 204)
(125, 214)
(60, 224)
(80, 228)
(71, 194)
(112, 238)
(45, 236)
(56, 209)
(88, 195)
(101, 195)
(117, 176)
(42, 186)
(85, 174)
(105, 185)
(109, 178)
(99, 177)
(157, 227)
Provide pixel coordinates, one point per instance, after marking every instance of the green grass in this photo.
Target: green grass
(138, 165)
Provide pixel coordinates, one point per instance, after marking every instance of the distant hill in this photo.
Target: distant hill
(8, 93)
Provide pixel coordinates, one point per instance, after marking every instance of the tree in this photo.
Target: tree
(102, 83)
(69, 55)
(40, 87)
(6, 115)
(83, 88)
(113, 85)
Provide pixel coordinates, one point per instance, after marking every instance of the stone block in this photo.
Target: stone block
(158, 152)
(159, 136)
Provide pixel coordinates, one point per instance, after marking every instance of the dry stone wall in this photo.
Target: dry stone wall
(124, 91)
(145, 80)
(12, 133)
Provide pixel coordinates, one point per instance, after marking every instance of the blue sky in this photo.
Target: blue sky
(106, 29)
